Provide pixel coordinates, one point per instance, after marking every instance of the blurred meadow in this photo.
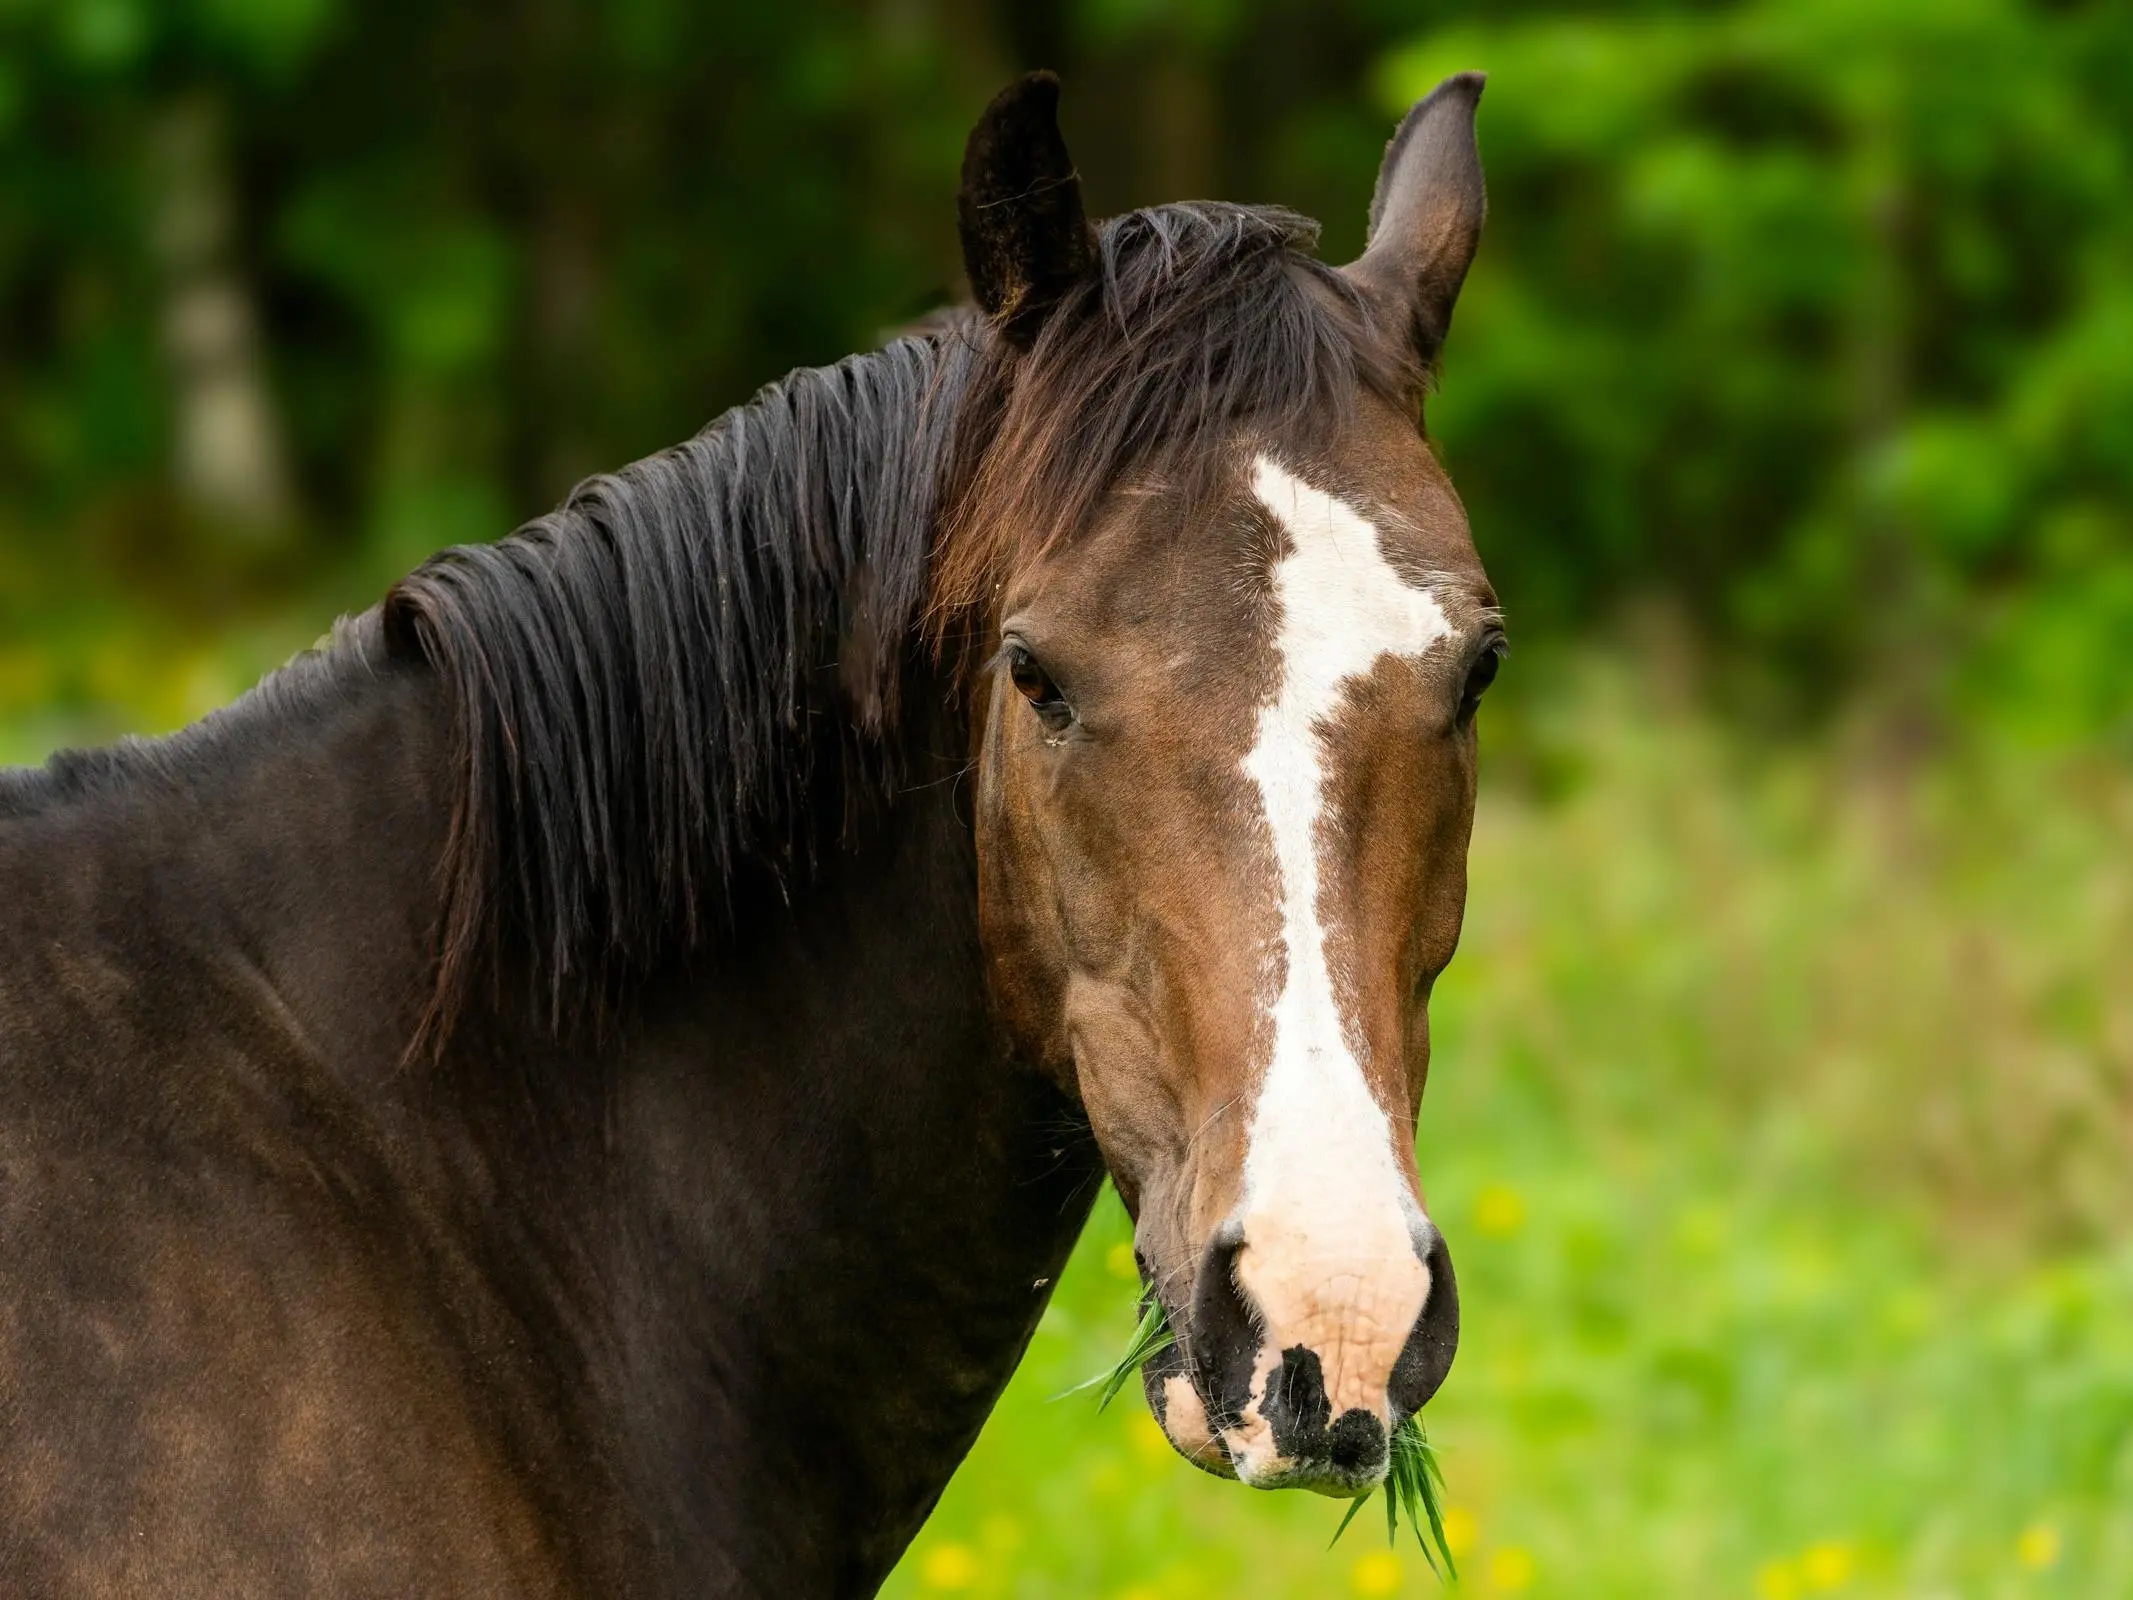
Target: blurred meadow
(1782, 1112)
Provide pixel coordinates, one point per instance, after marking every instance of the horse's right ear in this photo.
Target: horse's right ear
(1425, 218)
(1025, 237)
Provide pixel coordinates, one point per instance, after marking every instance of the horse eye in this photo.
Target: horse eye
(1035, 685)
(1480, 675)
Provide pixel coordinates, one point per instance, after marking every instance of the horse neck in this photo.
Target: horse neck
(273, 866)
(802, 1209)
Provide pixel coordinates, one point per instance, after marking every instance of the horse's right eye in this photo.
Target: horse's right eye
(1035, 685)
(1481, 674)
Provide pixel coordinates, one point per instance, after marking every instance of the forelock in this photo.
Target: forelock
(1195, 322)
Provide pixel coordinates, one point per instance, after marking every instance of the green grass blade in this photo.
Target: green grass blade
(1150, 1339)
(1354, 1506)
(1415, 1482)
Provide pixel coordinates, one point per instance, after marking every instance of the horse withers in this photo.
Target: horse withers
(583, 1085)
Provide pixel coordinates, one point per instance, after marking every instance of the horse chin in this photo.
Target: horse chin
(1246, 1452)
(1177, 1406)
(1258, 1463)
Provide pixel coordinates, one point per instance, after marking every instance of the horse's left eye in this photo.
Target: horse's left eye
(1481, 674)
(1035, 685)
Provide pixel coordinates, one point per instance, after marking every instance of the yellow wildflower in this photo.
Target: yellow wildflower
(1460, 1530)
(1499, 1210)
(949, 1566)
(1378, 1573)
(2038, 1547)
(1827, 1565)
(1510, 1570)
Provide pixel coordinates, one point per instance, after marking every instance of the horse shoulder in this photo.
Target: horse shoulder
(227, 1365)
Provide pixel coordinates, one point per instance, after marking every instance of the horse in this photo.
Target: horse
(582, 1083)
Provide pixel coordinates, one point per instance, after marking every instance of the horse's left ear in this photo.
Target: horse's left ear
(1425, 218)
(1025, 236)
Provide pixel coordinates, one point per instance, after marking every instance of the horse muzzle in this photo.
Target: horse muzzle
(1306, 1394)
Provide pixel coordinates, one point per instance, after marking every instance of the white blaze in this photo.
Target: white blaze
(1327, 1214)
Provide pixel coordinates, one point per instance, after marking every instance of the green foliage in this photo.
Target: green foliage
(1812, 312)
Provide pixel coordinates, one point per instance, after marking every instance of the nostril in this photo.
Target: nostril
(1225, 1338)
(1356, 1443)
(1427, 1356)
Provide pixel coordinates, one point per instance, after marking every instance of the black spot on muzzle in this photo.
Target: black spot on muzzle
(1305, 1429)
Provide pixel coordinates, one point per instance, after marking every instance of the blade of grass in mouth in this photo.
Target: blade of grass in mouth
(1414, 1484)
(1150, 1340)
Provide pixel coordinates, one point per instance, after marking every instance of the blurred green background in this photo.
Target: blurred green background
(1783, 1113)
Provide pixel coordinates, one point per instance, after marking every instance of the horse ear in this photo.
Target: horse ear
(1425, 218)
(1025, 237)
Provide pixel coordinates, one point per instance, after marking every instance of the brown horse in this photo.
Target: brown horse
(582, 1085)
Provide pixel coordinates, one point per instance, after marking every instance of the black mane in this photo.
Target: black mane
(630, 673)
(1194, 320)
